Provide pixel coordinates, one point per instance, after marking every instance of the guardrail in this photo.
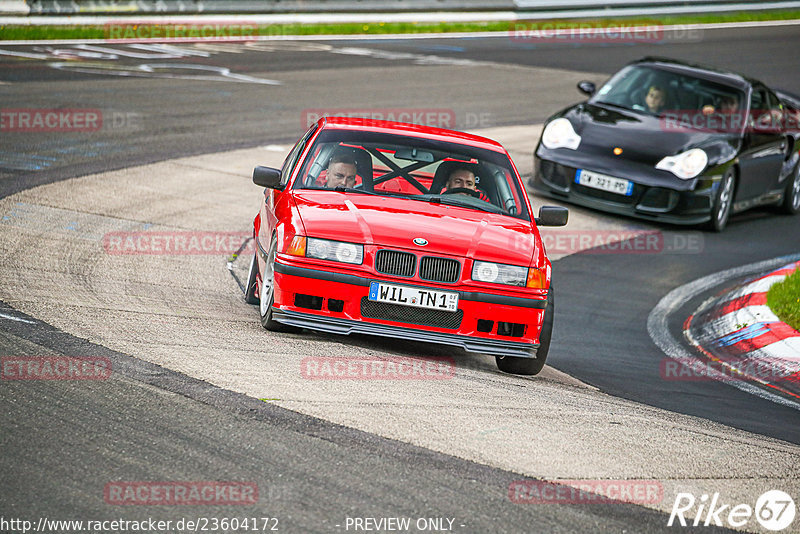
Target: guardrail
(520, 8)
(595, 4)
(104, 7)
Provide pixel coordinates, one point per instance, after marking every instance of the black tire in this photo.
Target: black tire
(723, 202)
(791, 197)
(532, 366)
(250, 289)
(266, 297)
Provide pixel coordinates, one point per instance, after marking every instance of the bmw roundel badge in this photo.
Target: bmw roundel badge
(420, 241)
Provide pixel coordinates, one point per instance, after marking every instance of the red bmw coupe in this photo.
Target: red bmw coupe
(404, 231)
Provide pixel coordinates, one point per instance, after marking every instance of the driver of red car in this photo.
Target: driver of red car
(463, 178)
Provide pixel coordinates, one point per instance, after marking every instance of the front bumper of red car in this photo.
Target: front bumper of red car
(338, 302)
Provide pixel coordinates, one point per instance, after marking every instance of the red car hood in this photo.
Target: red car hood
(393, 222)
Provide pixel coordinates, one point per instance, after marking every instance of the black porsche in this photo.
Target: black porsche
(668, 141)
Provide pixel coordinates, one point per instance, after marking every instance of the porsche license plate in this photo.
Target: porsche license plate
(604, 182)
(413, 296)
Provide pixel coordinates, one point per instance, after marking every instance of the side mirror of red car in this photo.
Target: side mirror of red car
(267, 177)
(552, 216)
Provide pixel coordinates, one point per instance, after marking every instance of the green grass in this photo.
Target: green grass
(21, 32)
(784, 299)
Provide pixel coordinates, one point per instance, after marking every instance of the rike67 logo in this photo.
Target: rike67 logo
(774, 510)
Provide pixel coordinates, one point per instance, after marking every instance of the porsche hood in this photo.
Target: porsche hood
(643, 138)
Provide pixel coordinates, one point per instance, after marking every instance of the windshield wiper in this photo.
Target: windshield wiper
(438, 199)
(435, 199)
(613, 105)
(490, 208)
(343, 189)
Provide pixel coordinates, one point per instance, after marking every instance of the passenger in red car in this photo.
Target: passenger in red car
(461, 178)
(341, 171)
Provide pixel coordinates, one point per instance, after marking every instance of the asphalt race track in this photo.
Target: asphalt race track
(199, 392)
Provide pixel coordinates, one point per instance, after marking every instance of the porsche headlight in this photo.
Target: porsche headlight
(499, 273)
(560, 134)
(324, 249)
(685, 165)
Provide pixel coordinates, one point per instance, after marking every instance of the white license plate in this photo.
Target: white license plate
(413, 296)
(604, 182)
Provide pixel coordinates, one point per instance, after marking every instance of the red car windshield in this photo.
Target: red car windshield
(413, 168)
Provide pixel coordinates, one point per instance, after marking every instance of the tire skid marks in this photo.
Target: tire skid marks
(16, 161)
(417, 59)
(104, 59)
(48, 153)
(40, 219)
(175, 71)
(124, 60)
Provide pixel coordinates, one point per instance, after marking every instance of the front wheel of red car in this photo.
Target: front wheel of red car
(532, 366)
(266, 296)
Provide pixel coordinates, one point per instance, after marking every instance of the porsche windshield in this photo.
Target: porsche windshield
(440, 172)
(656, 91)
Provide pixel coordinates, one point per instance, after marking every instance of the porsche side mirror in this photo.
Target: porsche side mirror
(267, 177)
(587, 88)
(552, 216)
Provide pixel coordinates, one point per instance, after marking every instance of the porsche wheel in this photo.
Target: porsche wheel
(723, 204)
(532, 366)
(266, 296)
(791, 197)
(250, 289)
